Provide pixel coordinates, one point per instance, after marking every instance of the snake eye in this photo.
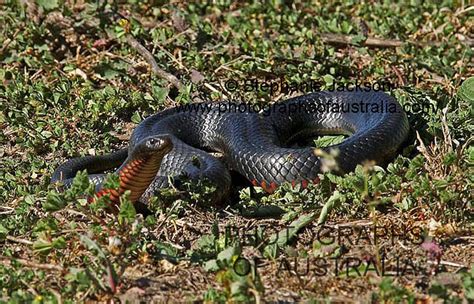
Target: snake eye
(158, 143)
(154, 142)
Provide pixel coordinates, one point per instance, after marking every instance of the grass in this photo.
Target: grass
(71, 86)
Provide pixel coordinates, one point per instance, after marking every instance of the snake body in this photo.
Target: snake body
(257, 145)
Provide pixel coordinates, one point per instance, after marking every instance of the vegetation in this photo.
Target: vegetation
(73, 84)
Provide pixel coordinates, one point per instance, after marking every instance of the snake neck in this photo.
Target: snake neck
(135, 175)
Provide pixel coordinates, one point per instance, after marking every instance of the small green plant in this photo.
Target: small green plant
(390, 292)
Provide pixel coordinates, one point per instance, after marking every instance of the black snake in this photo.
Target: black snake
(175, 142)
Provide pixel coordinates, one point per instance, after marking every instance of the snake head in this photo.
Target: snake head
(156, 145)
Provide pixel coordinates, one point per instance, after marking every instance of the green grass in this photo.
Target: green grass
(71, 86)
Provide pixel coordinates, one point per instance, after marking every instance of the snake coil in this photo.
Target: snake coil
(257, 145)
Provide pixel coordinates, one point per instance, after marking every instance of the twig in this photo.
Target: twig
(16, 240)
(7, 42)
(5, 260)
(447, 263)
(156, 69)
(256, 295)
(86, 294)
(9, 210)
(465, 238)
(172, 57)
(338, 39)
(176, 36)
(343, 40)
(111, 55)
(349, 224)
(57, 295)
(152, 62)
(467, 9)
(32, 10)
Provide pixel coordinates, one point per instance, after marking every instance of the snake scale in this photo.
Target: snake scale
(176, 141)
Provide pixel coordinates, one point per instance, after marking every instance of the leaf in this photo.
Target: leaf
(166, 251)
(112, 181)
(358, 39)
(328, 140)
(281, 238)
(466, 91)
(328, 79)
(127, 211)
(226, 256)
(54, 202)
(468, 284)
(205, 241)
(42, 246)
(330, 204)
(108, 70)
(196, 77)
(211, 266)
(92, 245)
(48, 4)
(136, 118)
(159, 93)
(3, 232)
(59, 243)
(94, 276)
(46, 134)
(78, 275)
(80, 183)
(265, 211)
